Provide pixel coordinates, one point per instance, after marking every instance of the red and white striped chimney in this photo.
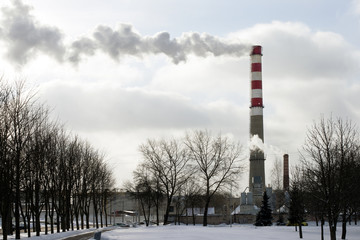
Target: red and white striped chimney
(256, 107)
(257, 159)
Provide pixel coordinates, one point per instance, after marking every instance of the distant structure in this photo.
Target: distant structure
(286, 173)
(257, 159)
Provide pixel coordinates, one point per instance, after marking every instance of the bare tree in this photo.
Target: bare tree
(277, 184)
(6, 163)
(192, 197)
(157, 197)
(276, 174)
(22, 119)
(297, 211)
(331, 147)
(142, 191)
(217, 160)
(42, 167)
(167, 160)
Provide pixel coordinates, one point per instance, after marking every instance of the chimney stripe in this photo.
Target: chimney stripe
(256, 76)
(256, 50)
(256, 84)
(256, 67)
(256, 102)
(255, 111)
(256, 58)
(256, 93)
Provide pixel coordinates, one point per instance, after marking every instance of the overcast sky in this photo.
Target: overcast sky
(117, 72)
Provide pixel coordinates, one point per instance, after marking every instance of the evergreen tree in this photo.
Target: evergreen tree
(264, 217)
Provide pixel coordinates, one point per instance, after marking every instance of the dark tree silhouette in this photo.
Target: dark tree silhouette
(264, 217)
(167, 161)
(218, 162)
(296, 209)
(43, 168)
(331, 155)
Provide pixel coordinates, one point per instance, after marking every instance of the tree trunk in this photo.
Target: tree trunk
(46, 217)
(143, 209)
(149, 212)
(105, 210)
(101, 218)
(57, 222)
(206, 212)
(322, 228)
(24, 217)
(355, 220)
(166, 217)
(69, 222)
(343, 232)
(77, 221)
(51, 215)
(72, 220)
(332, 232)
(33, 218)
(87, 215)
(6, 221)
(350, 217)
(300, 231)
(157, 215)
(46, 202)
(37, 208)
(17, 196)
(29, 225)
(82, 218)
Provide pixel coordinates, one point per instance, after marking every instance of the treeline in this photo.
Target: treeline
(45, 170)
(327, 183)
(193, 168)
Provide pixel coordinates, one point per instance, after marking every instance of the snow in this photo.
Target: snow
(243, 231)
(55, 236)
(224, 232)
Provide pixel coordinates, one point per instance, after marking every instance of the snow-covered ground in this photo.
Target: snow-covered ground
(224, 232)
(210, 233)
(55, 236)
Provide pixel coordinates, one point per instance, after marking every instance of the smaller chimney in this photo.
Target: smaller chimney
(286, 172)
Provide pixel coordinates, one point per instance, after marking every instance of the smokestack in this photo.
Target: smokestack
(257, 160)
(286, 172)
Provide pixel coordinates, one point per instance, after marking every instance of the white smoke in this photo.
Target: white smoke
(256, 143)
(126, 41)
(25, 37)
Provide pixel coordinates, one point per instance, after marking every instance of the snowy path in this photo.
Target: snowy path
(61, 235)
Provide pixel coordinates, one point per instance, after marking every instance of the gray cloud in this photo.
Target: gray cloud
(293, 49)
(109, 108)
(113, 108)
(25, 37)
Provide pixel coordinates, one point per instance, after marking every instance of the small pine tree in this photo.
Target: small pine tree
(264, 216)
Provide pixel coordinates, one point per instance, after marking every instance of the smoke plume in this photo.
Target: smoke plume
(25, 37)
